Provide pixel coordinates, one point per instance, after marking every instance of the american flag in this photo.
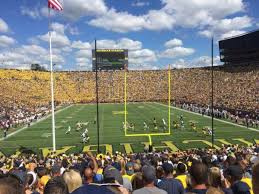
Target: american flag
(55, 4)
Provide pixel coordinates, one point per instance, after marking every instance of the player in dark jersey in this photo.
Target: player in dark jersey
(155, 124)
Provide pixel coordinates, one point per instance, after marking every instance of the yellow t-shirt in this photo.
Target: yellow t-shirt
(248, 181)
(183, 179)
(128, 176)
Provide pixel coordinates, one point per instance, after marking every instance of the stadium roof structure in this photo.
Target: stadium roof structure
(242, 49)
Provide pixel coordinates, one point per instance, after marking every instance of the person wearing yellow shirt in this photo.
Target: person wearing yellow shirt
(181, 174)
(248, 181)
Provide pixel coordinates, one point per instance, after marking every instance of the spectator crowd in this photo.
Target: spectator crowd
(230, 170)
(25, 95)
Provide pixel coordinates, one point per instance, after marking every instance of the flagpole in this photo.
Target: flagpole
(212, 94)
(52, 90)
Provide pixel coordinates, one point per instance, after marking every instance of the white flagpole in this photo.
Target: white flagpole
(52, 91)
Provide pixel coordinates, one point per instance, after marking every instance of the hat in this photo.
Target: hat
(149, 173)
(111, 174)
(168, 168)
(234, 171)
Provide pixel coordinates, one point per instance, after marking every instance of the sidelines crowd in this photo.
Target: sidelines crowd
(231, 170)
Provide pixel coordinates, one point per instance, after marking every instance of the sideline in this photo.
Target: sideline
(251, 129)
(33, 123)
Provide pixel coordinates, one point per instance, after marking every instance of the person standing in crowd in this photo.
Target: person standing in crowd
(215, 180)
(199, 176)
(234, 175)
(181, 174)
(169, 183)
(149, 177)
(255, 178)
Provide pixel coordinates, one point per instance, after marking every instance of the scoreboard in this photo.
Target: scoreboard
(110, 59)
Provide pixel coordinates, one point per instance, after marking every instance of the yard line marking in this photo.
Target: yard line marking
(42, 119)
(251, 129)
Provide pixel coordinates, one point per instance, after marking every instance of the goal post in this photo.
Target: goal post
(149, 135)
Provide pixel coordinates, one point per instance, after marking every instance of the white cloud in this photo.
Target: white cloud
(116, 21)
(73, 30)
(174, 42)
(227, 27)
(84, 54)
(58, 39)
(206, 33)
(232, 33)
(142, 56)
(177, 52)
(31, 12)
(178, 64)
(203, 61)
(158, 20)
(44, 11)
(201, 13)
(6, 41)
(81, 45)
(140, 4)
(123, 43)
(3, 26)
(105, 44)
(58, 27)
(25, 55)
(80, 8)
(126, 43)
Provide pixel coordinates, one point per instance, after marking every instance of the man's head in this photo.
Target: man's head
(56, 185)
(149, 174)
(181, 168)
(10, 184)
(168, 168)
(199, 173)
(234, 173)
(111, 175)
(255, 178)
(55, 170)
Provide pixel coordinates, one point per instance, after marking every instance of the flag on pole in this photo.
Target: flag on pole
(55, 4)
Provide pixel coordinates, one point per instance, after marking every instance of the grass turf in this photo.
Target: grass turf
(111, 117)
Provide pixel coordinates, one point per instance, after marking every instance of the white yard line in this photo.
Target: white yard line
(251, 129)
(42, 119)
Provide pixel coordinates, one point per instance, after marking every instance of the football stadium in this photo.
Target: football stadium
(118, 123)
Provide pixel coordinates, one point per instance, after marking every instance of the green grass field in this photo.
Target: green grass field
(111, 131)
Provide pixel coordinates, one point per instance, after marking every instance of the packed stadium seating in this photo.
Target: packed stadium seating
(236, 88)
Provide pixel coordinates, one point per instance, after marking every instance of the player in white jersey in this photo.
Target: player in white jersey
(85, 137)
(209, 131)
(164, 124)
(145, 126)
(123, 126)
(68, 130)
(86, 131)
(78, 126)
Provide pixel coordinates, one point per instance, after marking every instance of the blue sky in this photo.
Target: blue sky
(156, 32)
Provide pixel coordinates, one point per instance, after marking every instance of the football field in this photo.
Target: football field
(112, 135)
